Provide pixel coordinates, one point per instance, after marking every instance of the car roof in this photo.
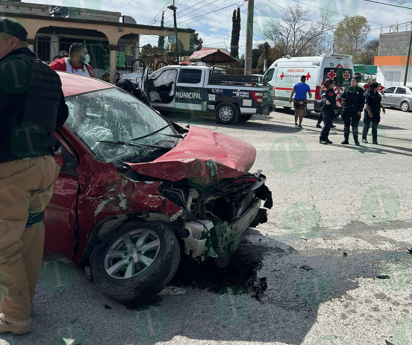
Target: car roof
(75, 84)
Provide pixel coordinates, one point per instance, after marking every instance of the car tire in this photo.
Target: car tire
(227, 113)
(245, 118)
(147, 278)
(405, 106)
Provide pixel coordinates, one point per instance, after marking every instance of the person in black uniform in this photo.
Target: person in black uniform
(371, 114)
(354, 99)
(328, 110)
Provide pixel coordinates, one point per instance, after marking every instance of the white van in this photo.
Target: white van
(284, 73)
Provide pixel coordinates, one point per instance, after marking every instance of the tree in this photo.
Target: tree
(161, 41)
(294, 32)
(147, 49)
(234, 43)
(274, 53)
(195, 42)
(351, 35)
(370, 50)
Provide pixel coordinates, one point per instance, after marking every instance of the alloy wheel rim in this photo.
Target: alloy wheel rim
(132, 254)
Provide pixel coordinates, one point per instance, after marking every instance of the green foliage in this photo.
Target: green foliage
(195, 42)
(236, 25)
(351, 36)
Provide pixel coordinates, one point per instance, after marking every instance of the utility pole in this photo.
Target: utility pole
(249, 37)
(174, 8)
(407, 60)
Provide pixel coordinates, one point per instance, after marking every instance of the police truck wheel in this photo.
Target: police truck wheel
(227, 113)
(134, 263)
(244, 118)
(405, 106)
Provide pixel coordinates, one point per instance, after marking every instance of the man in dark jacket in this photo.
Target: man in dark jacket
(32, 107)
(354, 100)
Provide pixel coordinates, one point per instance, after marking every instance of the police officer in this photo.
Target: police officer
(372, 114)
(352, 110)
(328, 110)
(32, 107)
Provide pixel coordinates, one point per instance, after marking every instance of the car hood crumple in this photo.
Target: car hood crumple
(202, 153)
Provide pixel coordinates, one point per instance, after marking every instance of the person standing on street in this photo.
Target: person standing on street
(301, 90)
(354, 100)
(328, 110)
(32, 107)
(77, 62)
(371, 114)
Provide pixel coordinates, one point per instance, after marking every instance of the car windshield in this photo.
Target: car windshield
(114, 115)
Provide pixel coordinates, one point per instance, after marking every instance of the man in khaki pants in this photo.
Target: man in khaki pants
(32, 107)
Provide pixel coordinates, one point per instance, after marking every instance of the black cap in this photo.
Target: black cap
(13, 28)
(126, 85)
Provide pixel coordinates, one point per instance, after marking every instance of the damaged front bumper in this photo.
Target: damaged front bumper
(219, 238)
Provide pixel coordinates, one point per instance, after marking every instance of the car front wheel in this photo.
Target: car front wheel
(405, 106)
(134, 263)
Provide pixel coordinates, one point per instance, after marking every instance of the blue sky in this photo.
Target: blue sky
(215, 28)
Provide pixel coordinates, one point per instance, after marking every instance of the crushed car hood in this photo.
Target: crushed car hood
(202, 153)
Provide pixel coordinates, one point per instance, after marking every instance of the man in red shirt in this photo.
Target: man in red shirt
(77, 62)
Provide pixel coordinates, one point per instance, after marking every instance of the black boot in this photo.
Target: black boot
(355, 136)
(346, 141)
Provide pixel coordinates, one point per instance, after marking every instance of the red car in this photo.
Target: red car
(137, 193)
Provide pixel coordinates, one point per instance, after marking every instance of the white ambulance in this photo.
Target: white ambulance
(284, 73)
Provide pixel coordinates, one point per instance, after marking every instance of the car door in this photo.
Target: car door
(399, 96)
(387, 96)
(190, 92)
(161, 88)
(61, 214)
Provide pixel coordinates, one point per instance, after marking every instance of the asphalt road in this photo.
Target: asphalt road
(329, 268)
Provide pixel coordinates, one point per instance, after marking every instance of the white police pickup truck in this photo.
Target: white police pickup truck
(201, 89)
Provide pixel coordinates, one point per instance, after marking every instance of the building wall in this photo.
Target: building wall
(393, 76)
(394, 43)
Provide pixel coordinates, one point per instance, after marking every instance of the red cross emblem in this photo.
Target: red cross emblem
(346, 75)
(331, 74)
(282, 76)
(308, 76)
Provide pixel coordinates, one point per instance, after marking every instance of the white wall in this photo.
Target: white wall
(385, 72)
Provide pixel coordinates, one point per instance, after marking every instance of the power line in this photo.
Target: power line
(384, 3)
(180, 13)
(212, 12)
